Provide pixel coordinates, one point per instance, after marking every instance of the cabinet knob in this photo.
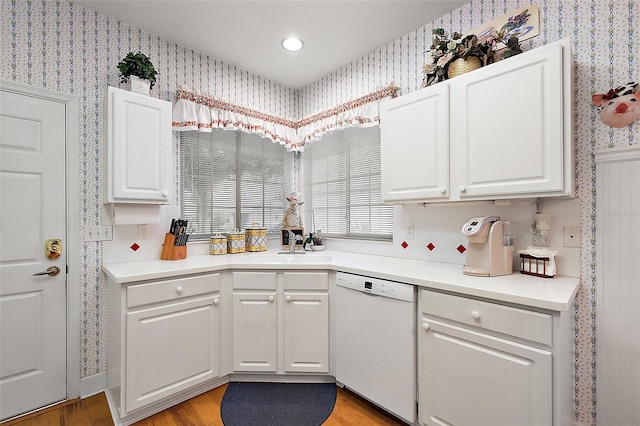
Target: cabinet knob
(443, 190)
(288, 298)
(425, 326)
(216, 301)
(475, 314)
(179, 290)
(165, 194)
(271, 298)
(463, 188)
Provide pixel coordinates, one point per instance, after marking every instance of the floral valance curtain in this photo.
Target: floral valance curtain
(193, 111)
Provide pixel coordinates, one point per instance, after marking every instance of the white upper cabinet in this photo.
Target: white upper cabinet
(137, 148)
(414, 130)
(508, 127)
(508, 133)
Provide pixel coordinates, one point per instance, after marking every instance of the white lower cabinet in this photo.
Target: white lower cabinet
(280, 322)
(482, 363)
(255, 333)
(164, 339)
(306, 332)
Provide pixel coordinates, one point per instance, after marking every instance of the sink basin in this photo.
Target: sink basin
(285, 258)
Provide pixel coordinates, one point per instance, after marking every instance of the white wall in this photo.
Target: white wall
(440, 226)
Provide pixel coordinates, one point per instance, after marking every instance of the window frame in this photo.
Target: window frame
(345, 138)
(272, 207)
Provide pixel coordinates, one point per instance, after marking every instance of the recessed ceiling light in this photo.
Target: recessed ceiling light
(292, 44)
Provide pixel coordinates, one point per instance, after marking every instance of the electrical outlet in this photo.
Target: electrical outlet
(571, 236)
(143, 232)
(410, 230)
(98, 233)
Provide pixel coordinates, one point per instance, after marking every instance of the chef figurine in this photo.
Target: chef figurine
(292, 217)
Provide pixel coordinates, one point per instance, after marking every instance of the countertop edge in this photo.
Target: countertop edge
(554, 294)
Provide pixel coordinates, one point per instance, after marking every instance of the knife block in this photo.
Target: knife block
(171, 252)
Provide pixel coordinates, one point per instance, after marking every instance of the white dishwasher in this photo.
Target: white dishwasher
(375, 341)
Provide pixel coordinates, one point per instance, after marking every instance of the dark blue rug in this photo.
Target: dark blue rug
(277, 404)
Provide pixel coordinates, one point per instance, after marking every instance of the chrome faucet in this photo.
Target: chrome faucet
(293, 238)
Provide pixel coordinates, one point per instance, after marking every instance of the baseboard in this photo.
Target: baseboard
(153, 408)
(92, 385)
(281, 378)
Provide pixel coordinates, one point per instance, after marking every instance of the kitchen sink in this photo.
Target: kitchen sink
(286, 258)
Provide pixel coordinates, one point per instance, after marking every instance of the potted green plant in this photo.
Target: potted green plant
(136, 67)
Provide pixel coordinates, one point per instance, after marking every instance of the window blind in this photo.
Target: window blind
(342, 185)
(230, 179)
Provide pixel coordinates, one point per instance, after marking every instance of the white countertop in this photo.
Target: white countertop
(554, 294)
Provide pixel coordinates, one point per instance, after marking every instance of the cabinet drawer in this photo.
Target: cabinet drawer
(305, 280)
(142, 294)
(529, 325)
(254, 280)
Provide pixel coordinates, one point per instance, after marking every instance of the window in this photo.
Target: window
(230, 179)
(342, 185)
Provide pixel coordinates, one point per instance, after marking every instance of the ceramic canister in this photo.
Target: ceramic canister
(218, 244)
(235, 241)
(256, 239)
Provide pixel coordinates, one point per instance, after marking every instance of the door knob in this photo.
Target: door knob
(51, 270)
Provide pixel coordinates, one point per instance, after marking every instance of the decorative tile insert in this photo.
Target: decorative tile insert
(461, 249)
(134, 247)
(404, 245)
(430, 246)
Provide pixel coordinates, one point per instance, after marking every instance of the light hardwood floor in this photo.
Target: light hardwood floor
(203, 410)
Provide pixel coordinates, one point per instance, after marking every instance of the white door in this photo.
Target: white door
(306, 332)
(414, 137)
(171, 348)
(471, 378)
(255, 333)
(138, 132)
(516, 145)
(32, 210)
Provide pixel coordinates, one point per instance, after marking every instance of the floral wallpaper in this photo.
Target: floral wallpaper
(606, 51)
(64, 47)
(61, 46)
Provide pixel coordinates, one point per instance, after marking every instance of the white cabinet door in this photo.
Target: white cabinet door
(472, 378)
(169, 349)
(306, 332)
(414, 135)
(138, 148)
(508, 127)
(255, 332)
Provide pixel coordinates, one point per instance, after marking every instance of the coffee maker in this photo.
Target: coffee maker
(490, 251)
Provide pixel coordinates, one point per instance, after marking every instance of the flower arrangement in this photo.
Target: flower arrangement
(446, 49)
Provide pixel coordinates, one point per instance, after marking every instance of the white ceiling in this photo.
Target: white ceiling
(248, 33)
